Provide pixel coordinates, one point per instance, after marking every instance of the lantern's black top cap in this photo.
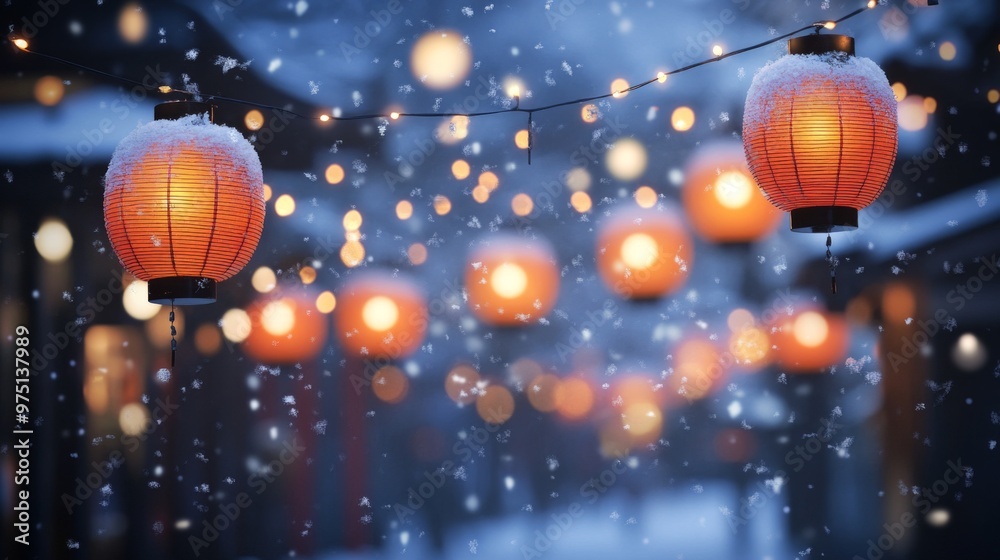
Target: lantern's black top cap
(821, 44)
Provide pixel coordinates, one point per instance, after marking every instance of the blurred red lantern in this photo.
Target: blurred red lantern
(820, 132)
(643, 253)
(722, 199)
(184, 203)
(380, 315)
(512, 280)
(285, 329)
(811, 340)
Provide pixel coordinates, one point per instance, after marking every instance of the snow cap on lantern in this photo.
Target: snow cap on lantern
(643, 253)
(184, 203)
(512, 280)
(820, 132)
(722, 199)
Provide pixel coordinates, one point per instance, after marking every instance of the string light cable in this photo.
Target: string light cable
(514, 94)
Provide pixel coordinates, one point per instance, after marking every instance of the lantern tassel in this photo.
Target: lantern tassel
(833, 265)
(173, 337)
(529, 136)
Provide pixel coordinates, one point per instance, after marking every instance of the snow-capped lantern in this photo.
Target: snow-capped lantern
(721, 198)
(285, 329)
(511, 280)
(380, 316)
(184, 203)
(643, 253)
(820, 132)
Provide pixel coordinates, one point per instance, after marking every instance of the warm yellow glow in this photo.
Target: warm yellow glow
(930, 105)
(750, 345)
(133, 23)
(589, 113)
(235, 325)
(460, 169)
(207, 339)
(135, 300)
(513, 90)
(326, 302)
(442, 205)
(324, 117)
(352, 220)
(830, 24)
(580, 202)
(352, 235)
(453, 130)
(739, 319)
(352, 253)
(441, 59)
(417, 253)
(165, 89)
(284, 205)
(642, 419)
(489, 180)
(578, 179)
(380, 313)
(912, 114)
(278, 317)
(626, 160)
(390, 384)
(733, 189)
(522, 139)
(618, 88)
(132, 418)
(307, 274)
(49, 90)
(334, 173)
(263, 280)
(480, 194)
(872, 4)
(947, 51)
(522, 205)
(267, 192)
(53, 240)
(646, 197)
(404, 209)
(21, 44)
(899, 90)
(574, 398)
(682, 119)
(717, 50)
(460, 384)
(661, 77)
(254, 119)
(639, 251)
(992, 96)
(394, 115)
(810, 329)
(509, 280)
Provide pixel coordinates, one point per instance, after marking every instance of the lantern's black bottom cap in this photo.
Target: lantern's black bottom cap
(182, 290)
(824, 219)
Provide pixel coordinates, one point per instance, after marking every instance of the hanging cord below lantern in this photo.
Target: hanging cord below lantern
(832, 260)
(173, 337)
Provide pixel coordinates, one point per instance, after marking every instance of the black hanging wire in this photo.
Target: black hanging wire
(173, 337)
(832, 261)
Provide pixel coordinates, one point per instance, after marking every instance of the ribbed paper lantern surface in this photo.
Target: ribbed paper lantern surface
(184, 204)
(285, 329)
(820, 132)
(643, 254)
(722, 199)
(511, 280)
(379, 315)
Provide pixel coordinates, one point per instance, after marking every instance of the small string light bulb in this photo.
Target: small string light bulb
(324, 118)
(165, 89)
(872, 4)
(514, 91)
(394, 115)
(717, 50)
(830, 24)
(21, 44)
(661, 77)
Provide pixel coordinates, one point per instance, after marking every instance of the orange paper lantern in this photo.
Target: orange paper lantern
(820, 132)
(380, 315)
(512, 280)
(722, 199)
(184, 203)
(811, 340)
(643, 253)
(285, 329)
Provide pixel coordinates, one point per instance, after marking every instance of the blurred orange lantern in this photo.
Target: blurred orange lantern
(643, 253)
(820, 132)
(495, 404)
(285, 329)
(722, 199)
(512, 280)
(184, 203)
(380, 315)
(811, 340)
(574, 398)
(698, 369)
(462, 384)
